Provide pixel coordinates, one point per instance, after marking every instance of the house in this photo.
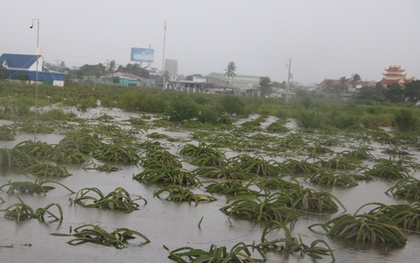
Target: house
(30, 67)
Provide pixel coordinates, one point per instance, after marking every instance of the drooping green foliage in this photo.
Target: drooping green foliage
(119, 199)
(21, 212)
(89, 233)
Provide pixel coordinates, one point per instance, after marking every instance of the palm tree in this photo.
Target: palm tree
(230, 71)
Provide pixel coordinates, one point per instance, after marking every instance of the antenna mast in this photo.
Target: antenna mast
(163, 57)
(288, 80)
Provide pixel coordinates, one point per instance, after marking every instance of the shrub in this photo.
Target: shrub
(310, 119)
(182, 110)
(210, 114)
(406, 121)
(233, 104)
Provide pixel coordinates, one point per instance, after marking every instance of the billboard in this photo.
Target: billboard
(142, 54)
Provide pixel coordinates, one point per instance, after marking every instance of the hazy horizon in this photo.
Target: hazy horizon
(326, 39)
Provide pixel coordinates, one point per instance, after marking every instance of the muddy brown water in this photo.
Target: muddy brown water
(170, 224)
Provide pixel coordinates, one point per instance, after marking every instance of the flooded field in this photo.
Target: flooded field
(182, 224)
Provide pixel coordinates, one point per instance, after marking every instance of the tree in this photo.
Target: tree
(342, 87)
(412, 91)
(135, 69)
(279, 85)
(63, 67)
(265, 86)
(370, 94)
(3, 72)
(191, 77)
(329, 86)
(111, 67)
(394, 93)
(355, 80)
(230, 71)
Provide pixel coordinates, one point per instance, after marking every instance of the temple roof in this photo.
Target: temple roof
(395, 69)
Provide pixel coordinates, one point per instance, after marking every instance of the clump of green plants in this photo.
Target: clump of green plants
(7, 133)
(39, 150)
(360, 153)
(297, 168)
(232, 187)
(253, 125)
(21, 212)
(405, 216)
(14, 158)
(37, 187)
(278, 184)
(159, 158)
(182, 109)
(407, 188)
(46, 169)
(70, 156)
(406, 120)
(310, 119)
(328, 178)
(119, 199)
(57, 114)
(167, 174)
(309, 200)
(389, 169)
(374, 227)
(256, 165)
(288, 245)
(339, 163)
(229, 171)
(317, 150)
(82, 140)
(238, 253)
(116, 153)
(275, 206)
(182, 194)
(97, 235)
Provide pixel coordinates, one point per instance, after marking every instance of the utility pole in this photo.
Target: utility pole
(38, 55)
(106, 73)
(288, 80)
(163, 57)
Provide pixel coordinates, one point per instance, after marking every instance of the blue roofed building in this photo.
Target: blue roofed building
(17, 64)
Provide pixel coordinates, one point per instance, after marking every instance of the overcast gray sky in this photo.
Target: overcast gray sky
(325, 38)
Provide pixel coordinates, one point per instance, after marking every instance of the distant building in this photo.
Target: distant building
(395, 74)
(348, 84)
(120, 79)
(153, 71)
(18, 64)
(171, 66)
(332, 82)
(198, 84)
(127, 79)
(241, 84)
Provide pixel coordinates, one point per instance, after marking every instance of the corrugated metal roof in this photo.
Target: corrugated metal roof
(18, 60)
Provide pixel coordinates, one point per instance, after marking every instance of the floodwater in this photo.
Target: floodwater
(167, 223)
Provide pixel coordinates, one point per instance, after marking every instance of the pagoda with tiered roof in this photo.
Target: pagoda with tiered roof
(395, 74)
